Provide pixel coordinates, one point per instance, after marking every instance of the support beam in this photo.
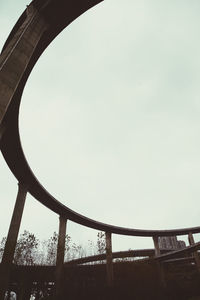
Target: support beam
(11, 241)
(109, 262)
(60, 257)
(196, 255)
(156, 245)
(159, 265)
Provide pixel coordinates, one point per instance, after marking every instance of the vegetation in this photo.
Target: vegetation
(31, 251)
(133, 279)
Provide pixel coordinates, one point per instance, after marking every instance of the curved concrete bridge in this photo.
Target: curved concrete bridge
(39, 24)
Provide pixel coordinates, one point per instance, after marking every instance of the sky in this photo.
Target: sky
(109, 120)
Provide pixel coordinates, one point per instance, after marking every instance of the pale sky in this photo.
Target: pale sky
(109, 119)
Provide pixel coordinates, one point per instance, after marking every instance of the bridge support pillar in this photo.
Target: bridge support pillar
(195, 254)
(109, 262)
(159, 265)
(156, 245)
(60, 258)
(11, 241)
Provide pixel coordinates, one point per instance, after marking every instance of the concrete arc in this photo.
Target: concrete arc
(52, 16)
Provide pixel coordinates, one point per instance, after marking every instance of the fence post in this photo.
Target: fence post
(195, 254)
(11, 241)
(109, 262)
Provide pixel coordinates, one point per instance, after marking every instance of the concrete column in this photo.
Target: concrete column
(196, 255)
(109, 262)
(156, 245)
(159, 265)
(11, 241)
(60, 257)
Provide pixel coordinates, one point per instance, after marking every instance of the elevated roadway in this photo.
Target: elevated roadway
(39, 24)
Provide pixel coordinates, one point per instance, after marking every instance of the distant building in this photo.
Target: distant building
(170, 242)
(181, 244)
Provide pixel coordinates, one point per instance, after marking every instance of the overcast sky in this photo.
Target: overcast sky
(109, 119)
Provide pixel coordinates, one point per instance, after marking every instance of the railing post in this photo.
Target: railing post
(196, 255)
(11, 241)
(109, 262)
(60, 257)
(159, 264)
